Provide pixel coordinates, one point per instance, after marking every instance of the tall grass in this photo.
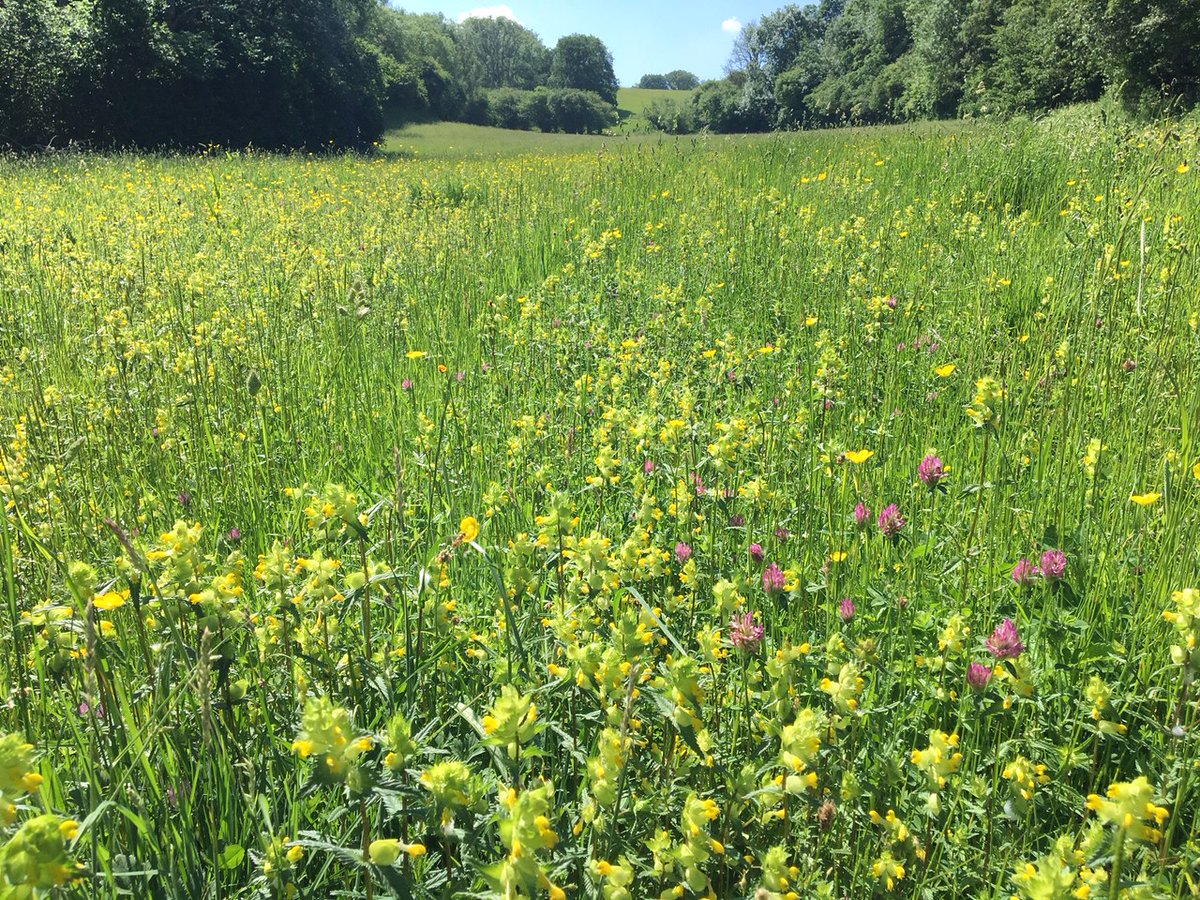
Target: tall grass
(600, 357)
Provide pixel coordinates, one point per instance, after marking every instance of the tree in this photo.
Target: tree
(424, 74)
(671, 116)
(1151, 51)
(717, 107)
(681, 80)
(779, 42)
(501, 53)
(1043, 57)
(938, 72)
(40, 72)
(654, 82)
(863, 55)
(582, 61)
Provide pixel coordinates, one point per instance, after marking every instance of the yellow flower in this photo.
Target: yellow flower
(109, 601)
(858, 457)
(1127, 806)
(385, 852)
(945, 371)
(469, 529)
(1146, 499)
(1182, 168)
(415, 354)
(837, 556)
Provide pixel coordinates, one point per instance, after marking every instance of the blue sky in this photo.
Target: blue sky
(643, 36)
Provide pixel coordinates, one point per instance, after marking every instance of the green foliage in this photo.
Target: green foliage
(503, 54)
(581, 61)
(874, 61)
(547, 109)
(654, 83)
(1152, 50)
(573, 408)
(671, 116)
(677, 80)
(682, 80)
(718, 107)
(143, 73)
(1044, 56)
(41, 67)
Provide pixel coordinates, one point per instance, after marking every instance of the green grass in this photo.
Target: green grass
(632, 103)
(455, 140)
(253, 409)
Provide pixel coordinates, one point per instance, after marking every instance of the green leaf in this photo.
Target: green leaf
(231, 857)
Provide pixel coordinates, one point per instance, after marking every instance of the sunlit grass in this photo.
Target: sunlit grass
(322, 474)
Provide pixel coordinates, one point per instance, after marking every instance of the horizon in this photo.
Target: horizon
(700, 41)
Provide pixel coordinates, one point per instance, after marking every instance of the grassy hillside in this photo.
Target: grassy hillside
(632, 102)
(637, 99)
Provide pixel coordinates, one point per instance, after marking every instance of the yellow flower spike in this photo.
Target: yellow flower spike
(858, 457)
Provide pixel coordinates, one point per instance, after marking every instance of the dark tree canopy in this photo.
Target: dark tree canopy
(676, 80)
(654, 82)
(681, 80)
(582, 61)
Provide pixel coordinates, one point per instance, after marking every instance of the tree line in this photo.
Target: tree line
(876, 61)
(308, 74)
(319, 73)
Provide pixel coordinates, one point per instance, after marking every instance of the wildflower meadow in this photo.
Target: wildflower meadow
(788, 516)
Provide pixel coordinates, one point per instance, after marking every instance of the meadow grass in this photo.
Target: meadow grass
(632, 103)
(451, 140)
(517, 520)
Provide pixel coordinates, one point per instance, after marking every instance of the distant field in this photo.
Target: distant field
(637, 99)
(442, 140)
(632, 103)
(458, 139)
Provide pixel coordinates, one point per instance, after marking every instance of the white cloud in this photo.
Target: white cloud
(732, 25)
(503, 11)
